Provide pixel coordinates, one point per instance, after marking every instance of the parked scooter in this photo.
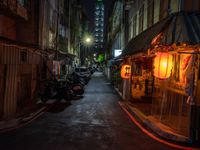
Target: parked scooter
(76, 86)
(56, 90)
(76, 79)
(82, 79)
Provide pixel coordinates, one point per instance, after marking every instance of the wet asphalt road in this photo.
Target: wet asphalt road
(95, 122)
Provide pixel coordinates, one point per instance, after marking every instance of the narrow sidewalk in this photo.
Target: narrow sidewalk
(153, 127)
(24, 118)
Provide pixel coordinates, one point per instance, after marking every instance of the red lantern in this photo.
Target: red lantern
(162, 65)
(126, 71)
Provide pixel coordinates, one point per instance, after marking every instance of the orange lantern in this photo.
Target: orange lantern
(126, 71)
(162, 65)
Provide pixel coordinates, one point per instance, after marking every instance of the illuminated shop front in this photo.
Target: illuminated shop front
(165, 76)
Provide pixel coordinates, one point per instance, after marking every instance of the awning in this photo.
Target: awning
(183, 28)
(177, 28)
(63, 54)
(59, 55)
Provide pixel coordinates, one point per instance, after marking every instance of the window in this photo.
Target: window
(141, 19)
(134, 25)
(150, 11)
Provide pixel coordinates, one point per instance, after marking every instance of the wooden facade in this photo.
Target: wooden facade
(19, 78)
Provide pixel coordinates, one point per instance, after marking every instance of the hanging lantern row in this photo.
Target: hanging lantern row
(162, 65)
(125, 71)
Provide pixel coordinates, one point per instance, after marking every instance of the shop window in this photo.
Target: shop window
(137, 71)
(176, 67)
(182, 72)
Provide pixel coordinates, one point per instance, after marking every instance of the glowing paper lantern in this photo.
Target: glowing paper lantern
(162, 65)
(126, 71)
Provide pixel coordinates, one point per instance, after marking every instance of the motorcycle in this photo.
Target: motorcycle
(76, 87)
(54, 89)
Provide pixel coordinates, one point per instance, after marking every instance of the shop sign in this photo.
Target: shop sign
(126, 71)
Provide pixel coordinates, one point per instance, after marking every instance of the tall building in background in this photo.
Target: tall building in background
(99, 25)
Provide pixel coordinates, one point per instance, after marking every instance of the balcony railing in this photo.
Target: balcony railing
(12, 7)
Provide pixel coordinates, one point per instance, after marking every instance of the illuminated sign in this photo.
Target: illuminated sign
(126, 71)
(117, 52)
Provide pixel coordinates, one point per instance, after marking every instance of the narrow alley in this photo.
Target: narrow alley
(94, 122)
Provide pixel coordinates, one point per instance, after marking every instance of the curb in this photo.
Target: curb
(166, 133)
(117, 90)
(150, 134)
(25, 121)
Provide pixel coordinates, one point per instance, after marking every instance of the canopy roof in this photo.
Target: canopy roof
(181, 27)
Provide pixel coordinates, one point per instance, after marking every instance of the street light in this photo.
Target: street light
(87, 40)
(86, 45)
